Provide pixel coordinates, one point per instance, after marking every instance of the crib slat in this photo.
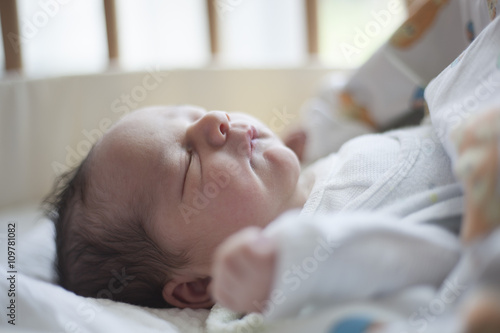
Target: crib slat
(213, 28)
(10, 33)
(111, 29)
(312, 27)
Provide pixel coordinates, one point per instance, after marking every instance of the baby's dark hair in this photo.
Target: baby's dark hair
(102, 247)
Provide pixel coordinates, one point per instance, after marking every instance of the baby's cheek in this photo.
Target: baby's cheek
(284, 167)
(246, 204)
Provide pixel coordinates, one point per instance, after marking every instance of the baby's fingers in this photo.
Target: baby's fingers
(228, 254)
(244, 253)
(228, 268)
(243, 269)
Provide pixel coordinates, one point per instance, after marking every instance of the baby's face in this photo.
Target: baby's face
(208, 174)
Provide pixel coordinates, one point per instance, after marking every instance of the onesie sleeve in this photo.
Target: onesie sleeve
(331, 259)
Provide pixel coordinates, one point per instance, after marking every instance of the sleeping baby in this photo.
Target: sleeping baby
(142, 219)
(166, 185)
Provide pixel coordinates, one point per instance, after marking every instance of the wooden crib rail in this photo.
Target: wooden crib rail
(312, 27)
(13, 49)
(10, 29)
(111, 29)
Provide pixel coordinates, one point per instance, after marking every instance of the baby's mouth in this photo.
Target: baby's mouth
(247, 146)
(254, 135)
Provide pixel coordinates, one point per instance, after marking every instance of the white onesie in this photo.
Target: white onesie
(327, 251)
(371, 225)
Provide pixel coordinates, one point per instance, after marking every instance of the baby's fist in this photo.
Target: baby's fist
(243, 270)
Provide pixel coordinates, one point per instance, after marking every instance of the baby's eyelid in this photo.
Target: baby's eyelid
(190, 153)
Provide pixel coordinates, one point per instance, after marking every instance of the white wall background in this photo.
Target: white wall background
(167, 33)
(59, 39)
(362, 24)
(258, 33)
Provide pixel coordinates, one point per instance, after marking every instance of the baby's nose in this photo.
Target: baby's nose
(213, 127)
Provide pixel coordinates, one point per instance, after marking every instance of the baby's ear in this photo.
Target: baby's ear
(184, 292)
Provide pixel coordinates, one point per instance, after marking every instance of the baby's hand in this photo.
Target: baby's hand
(243, 270)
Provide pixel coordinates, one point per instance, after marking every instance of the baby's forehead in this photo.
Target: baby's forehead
(135, 123)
